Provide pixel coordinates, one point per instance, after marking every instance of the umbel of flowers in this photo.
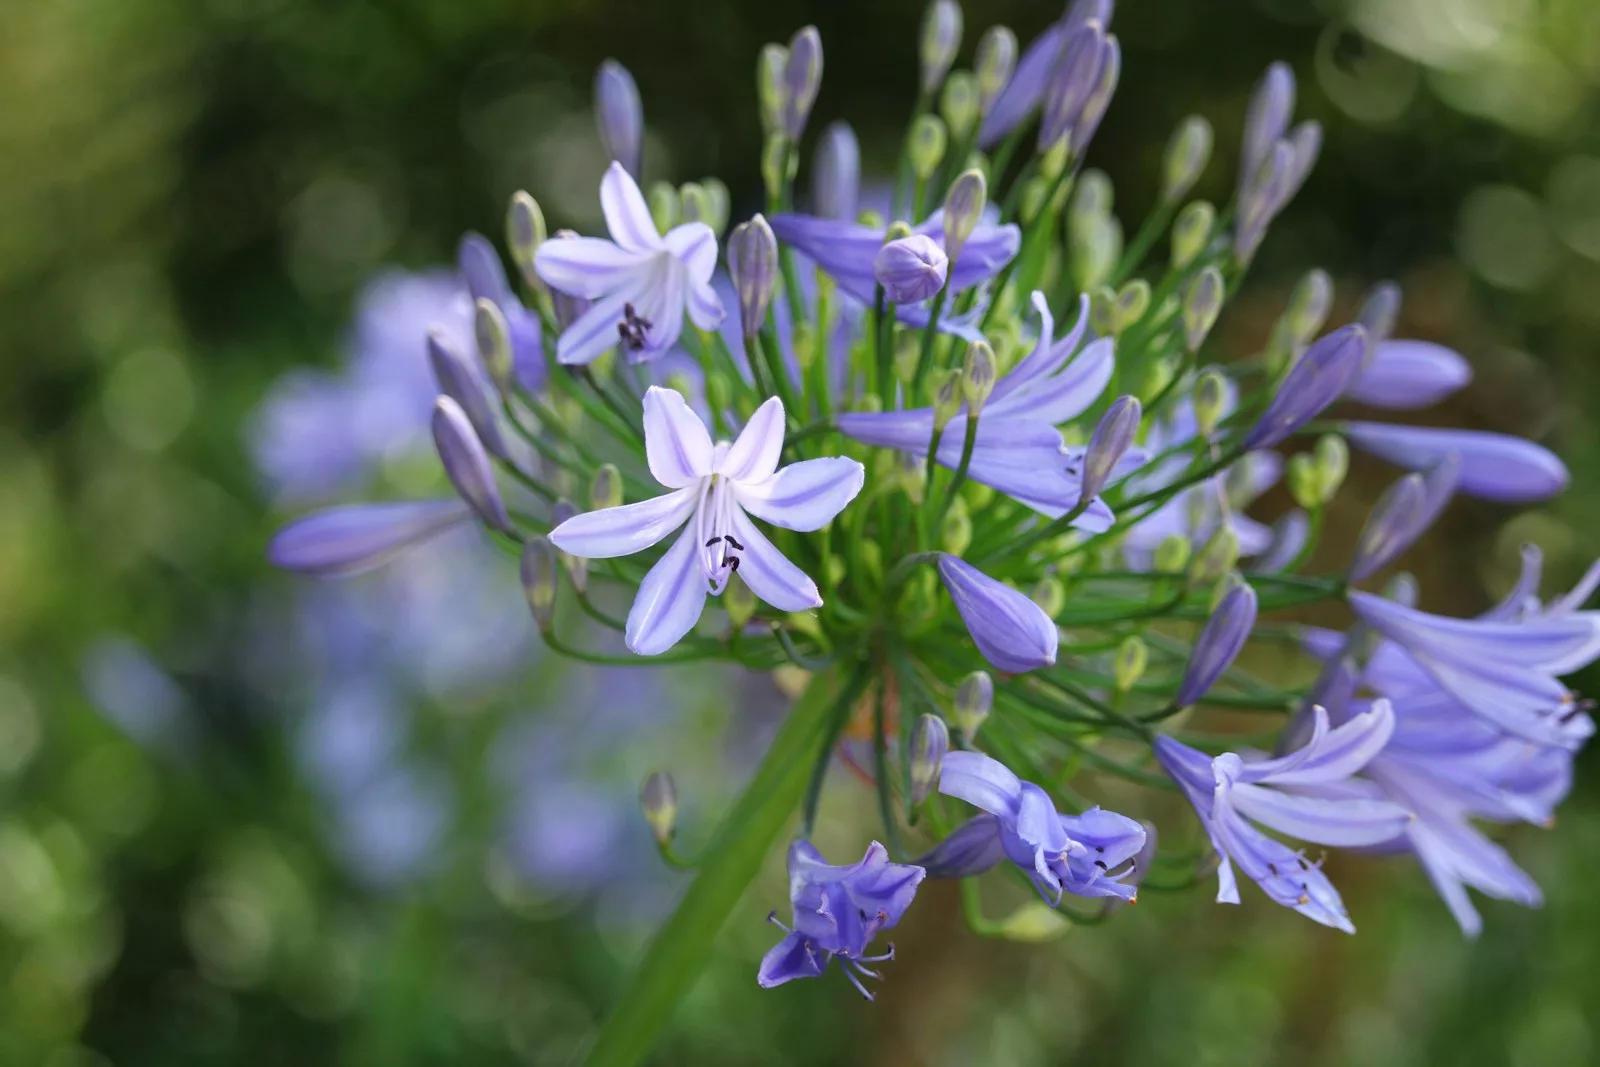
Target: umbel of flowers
(976, 466)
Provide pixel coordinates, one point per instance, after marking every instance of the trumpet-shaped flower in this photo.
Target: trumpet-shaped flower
(715, 488)
(1231, 793)
(838, 911)
(640, 282)
(1088, 855)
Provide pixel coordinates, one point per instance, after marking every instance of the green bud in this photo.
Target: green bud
(1191, 231)
(658, 799)
(739, 602)
(1172, 554)
(977, 376)
(1210, 397)
(1305, 486)
(955, 532)
(1309, 305)
(777, 165)
(771, 95)
(1092, 196)
(1333, 463)
(525, 232)
(1133, 656)
(1050, 595)
(929, 139)
(605, 491)
(1053, 163)
(978, 495)
(539, 580)
(1225, 585)
(947, 399)
(907, 354)
(694, 203)
(663, 201)
(1216, 557)
(803, 336)
(1093, 248)
(1202, 303)
(1103, 310)
(871, 403)
(1157, 375)
(958, 103)
(1033, 923)
(872, 220)
(718, 204)
(493, 339)
(1035, 191)
(963, 207)
(836, 568)
(912, 475)
(993, 62)
(941, 36)
(896, 231)
(871, 557)
(1187, 155)
(974, 699)
(1133, 300)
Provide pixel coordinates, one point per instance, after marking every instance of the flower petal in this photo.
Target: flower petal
(670, 599)
(694, 244)
(595, 331)
(587, 266)
(624, 530)
(338, 542)
(803, 496)
(627, 215)
(1066, 395)
(1403, 375)
(676, 442)
(844, 250)
(1494, 466)
(1331, 754)
(1338, 823)
(972, 848)
(769, 573)
(982, 782)
(791, 958)
(754, 454)
(705, 306)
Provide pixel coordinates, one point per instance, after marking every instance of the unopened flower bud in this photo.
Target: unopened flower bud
(777, 165)
(926, 148)
(1266, 119)
(525, 232)
(619, 115)
(1305, 487)
(1219, 644)
(718, 203)
(719, 393)
(1187, 155)
(1402, 589)
(1191, 231)
(753, 263)
(802, 77)
(538, 571)
(460, 381)
(493, 338)
(941, 36)
(958, 103)
(1049, 594)
(836, 173)
(1316, 381)
(1309, 305)
(1035, 194)
(663, 201)
(467, 464)
(947, 399)
(1133, 300)
(1133, 656)
(930, 740)
(658, 799)
(963, 208)
(974, 699)
(1093, 247)
(993, 63)
(605, 489)
(694, 204)
(1202, 303)
(1094, 108)
(1391, 528)
(955, 531)
(1260, 200)
(739, 602)
(1072, 78)
(1155, 378)
(1111, 438)
(1210, 401)
(577, 566)
(770, 92)
(910, 269)
(1172, 554)
(1380, 310)
(1093, 196)
(1305, 141)
(1216, 558)
(978, 375)
(1333, 463)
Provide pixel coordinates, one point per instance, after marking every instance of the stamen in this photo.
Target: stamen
(772, 917)
(632, 328)
(879, 959)
(857, 983)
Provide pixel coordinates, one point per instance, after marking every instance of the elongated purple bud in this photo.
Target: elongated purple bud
(1380, 311)
(802, 77)
(343, 541)
(1266, 120)
(1260, 198)
(619, 115)
(1391, 528)
(753, 263)
(1405, 375)
(1494, 466)
(930, 740)
(1108, 443)
(467, 464)
(1305, 141)
(941, 36)
(1011, 631)
(1094, 108)
(1312, 384)
(911, 269)
(1074, 77)
(1224, 636)
(836, 174)
(538, 573)
(993, 63)
(460, 382)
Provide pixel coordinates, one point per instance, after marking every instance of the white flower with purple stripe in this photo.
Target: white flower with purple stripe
(715, 488)
(640, 282)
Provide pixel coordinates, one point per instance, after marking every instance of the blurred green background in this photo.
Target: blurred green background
(245, 821)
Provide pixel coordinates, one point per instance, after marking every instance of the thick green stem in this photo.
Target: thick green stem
(680, 951)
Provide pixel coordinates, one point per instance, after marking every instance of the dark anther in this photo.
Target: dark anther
(1102, 865)
(1100, 849)
(737, 547)
(732, 563)
(713, 541)
(1273, 867)
(863, 913)
(632, 328)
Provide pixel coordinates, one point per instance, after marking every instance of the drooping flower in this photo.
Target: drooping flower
(342, 541)
(1010, 630)
(1086, 855)
(838, 911)
(1018, 449)
(715, 486)
(1231, 792)
(640, 282)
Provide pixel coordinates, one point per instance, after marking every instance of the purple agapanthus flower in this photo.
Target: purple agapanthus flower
(1494, 466)
(1087, 855)
(1009, 629)
(640, 282)
(1297, 795)
(838, 911)
(1025, 91)
(714, 486)
(1018, 450)
(1404, 375)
